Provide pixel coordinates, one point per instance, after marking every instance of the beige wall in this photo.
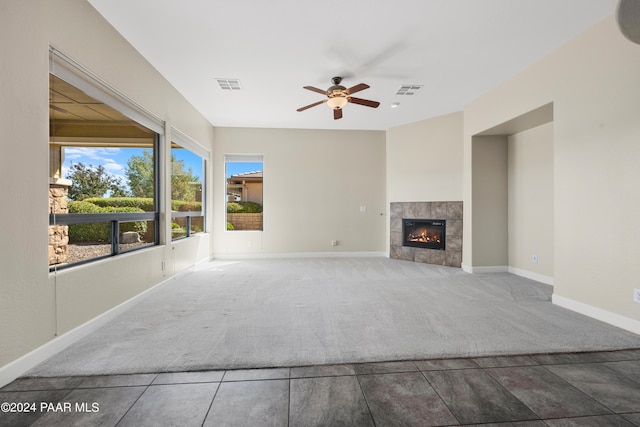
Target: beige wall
(513, 202)
(594, 84)
(36, 305)
(314, 185)
(490, 180)
(254, 192)
(27, 312)
(424, 160)
(530, 182)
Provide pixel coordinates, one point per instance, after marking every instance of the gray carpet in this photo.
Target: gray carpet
(292, 312)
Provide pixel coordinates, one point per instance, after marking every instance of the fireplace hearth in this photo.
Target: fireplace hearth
(424, 233)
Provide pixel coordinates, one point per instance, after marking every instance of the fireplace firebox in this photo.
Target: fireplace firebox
(424, 233)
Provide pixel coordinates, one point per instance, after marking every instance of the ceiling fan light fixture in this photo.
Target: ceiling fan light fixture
(338, 96)
(337, 102)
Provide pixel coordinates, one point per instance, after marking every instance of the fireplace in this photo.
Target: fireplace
(424, 233)
(447, 213)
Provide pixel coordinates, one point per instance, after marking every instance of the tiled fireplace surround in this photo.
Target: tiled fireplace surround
(449, 211)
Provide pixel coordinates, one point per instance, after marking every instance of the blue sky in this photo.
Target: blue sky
(114, 160)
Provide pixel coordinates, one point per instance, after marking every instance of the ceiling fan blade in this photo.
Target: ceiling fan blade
(337, 113)
(315, 89)
(365, 102)
(357, 88)
(311, 105)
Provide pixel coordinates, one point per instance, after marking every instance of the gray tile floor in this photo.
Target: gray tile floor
(578, 389)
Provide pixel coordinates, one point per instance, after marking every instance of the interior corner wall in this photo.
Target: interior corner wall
(315, 183)
(35, 306)
(593, 82)
(490, 201)
(530, 199)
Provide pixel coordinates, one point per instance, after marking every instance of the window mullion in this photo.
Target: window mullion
(115, 237)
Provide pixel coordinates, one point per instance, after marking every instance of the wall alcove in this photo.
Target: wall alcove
(512, 196)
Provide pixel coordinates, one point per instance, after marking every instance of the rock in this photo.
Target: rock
(129, 237)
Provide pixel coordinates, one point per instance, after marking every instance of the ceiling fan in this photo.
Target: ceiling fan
(338, 96)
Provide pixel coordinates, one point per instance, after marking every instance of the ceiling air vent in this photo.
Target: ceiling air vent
(408, 89)
(229, 84)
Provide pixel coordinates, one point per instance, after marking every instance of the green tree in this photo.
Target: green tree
(93, 181)
(140, 174)
(182, 181)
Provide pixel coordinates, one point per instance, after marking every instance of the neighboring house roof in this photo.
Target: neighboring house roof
(254, 176)
(236, 182)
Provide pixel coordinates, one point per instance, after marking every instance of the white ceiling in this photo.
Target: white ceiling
(456, 49)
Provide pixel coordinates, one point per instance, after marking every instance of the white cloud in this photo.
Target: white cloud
(111, 166)
(91, 155)
(95, 156)
(72, 153)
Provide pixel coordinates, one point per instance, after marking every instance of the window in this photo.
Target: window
(103, 189)
(187, 187)
(244, 180)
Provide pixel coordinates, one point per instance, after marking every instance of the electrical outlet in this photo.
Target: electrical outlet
(334, 243)
(164, 265)
(636, 295)
(534, 259)
(249, 244)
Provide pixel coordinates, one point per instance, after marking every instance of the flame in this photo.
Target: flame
(422, 236)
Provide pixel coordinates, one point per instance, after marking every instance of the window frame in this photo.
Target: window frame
(187, 143)
(66, 69)
(242, 158)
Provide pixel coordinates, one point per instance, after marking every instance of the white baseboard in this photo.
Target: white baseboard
(614, 319)
(278, 255)
(547, 280)
(485, 269)
(18, 367)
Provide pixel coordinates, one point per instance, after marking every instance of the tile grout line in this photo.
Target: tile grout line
(441, 399)
(289, 401)
(478, 367)
(499, 384)
(579, 389)
(137, 399)
(69, 391)
(366, 402)
(618, 373)
(578, 417)
(212, 400)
